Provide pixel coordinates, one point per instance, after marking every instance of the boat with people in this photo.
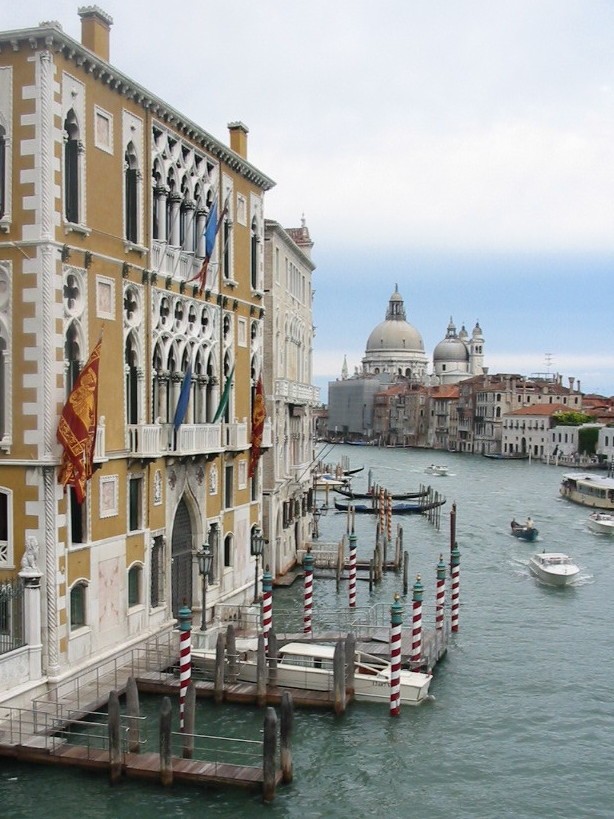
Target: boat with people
(588, 489)
(400, 508)
(372, 494)
(554, 568)
(309, 666)
(526, 531)
(438, 469)
(602, 523)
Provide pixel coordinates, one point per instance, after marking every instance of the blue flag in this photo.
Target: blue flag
(211, 231)
(184, 398)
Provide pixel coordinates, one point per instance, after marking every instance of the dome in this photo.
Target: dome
(452, 347)
(395, 333)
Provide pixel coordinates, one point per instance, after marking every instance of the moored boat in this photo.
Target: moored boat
(397, 508)
(309, 666)
(588, 489)
(349, 493)
(554, 568)
(602, 523)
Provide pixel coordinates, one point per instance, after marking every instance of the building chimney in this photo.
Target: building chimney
(238, 138)
(95, 27)
(571, 380)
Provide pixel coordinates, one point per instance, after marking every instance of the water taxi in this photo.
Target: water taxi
(588, 489)
(554, 568)
(602, 523)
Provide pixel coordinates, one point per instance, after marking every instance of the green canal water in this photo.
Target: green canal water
(522, 719)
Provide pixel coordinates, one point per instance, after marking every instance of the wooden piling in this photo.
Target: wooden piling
(261, 673)
(370, 575)
(339, 677)
(272, 659)
(133, 713)
(231, 653)
(115, 755)
(350, 670)
(268, 753)
(286, 711)
(189, 722)
(220, 649)
(166, 762)
(405, 573)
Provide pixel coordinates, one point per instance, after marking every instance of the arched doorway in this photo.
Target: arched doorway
(181, 563)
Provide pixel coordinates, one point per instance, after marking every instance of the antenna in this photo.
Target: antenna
(548, 360)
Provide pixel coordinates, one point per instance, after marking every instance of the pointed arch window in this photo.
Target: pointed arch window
(4, 389)
(71, 167)
(132, 384)
(131, 183)
(254, 255)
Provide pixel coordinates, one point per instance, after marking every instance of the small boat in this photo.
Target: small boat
(309, 666)
(602, 523)
(397, 508)
(500, 456)
(524, 531)
(554, 568)
(349, 493)
(588, 489)
(437, 469)
(324, 481)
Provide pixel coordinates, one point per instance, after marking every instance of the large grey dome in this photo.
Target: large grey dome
(395, 333)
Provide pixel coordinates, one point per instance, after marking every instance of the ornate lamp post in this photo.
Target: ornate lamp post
(256, 549)
(205, 558)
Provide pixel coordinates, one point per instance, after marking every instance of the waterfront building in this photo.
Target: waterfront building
(443, 417)
(105, 193)
(288, 348)
(526, 431)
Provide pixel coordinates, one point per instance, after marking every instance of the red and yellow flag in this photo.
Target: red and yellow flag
(77, 427)
(258, 416)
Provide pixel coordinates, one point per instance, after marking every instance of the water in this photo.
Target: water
(523, 715)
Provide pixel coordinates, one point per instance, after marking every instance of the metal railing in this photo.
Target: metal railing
(220, 750)
(11, 616)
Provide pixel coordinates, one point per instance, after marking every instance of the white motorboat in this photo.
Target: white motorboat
(437, 469)
(309, 666)
(601, 522)
(554, 568)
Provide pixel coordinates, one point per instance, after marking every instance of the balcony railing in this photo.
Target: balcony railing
(155, 440)
(267, 434)
(236, 435)
(172, 261)
(298, 393)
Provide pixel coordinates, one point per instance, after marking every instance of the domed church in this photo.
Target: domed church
(395, 347)
(458, 357)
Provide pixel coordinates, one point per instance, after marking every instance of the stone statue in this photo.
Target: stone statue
(29, 561)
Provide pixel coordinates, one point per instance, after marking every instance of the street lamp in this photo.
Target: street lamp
(256, 548)
(205, 558)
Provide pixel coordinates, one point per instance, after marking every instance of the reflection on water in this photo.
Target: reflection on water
(522, 719)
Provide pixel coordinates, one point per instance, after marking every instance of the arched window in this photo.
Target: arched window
(6, 527)
(132, 384)
(228, 551)
(3, 388)
(71, 167)
(78, 602)
(254, 255)
(135, 585)
(131, 194)
(71, 356)
(226, 249)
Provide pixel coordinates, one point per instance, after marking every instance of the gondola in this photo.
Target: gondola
(396, 509)
(348, 493)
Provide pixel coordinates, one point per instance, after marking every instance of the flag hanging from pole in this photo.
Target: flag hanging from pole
(184, 399)
(258, 417)
(77, 427)
(212, 227)
(224, 399)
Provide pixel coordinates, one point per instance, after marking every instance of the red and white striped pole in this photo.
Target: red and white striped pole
(267, 606)
(455, 596)
(352, 540)
(382, 512)
(415, 656)
(185, 658)
(389, 517)
(396, 621)
(308, 567)
(440, 597)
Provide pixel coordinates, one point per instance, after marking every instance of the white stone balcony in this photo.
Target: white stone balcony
(297, 393)
(144, 440)
(155, 440)
(236, 435)
(267, 434)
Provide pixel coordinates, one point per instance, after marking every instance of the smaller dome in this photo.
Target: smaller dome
(451, 349)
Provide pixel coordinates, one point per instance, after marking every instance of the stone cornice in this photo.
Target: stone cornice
(49, 36)
(271, 226)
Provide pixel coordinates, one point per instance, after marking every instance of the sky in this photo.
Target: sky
(462, 149)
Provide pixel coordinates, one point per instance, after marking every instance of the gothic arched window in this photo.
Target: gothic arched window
(71, 167)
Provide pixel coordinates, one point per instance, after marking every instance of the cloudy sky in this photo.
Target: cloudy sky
(462, 149)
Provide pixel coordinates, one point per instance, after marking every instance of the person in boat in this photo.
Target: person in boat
(514, 523)
(529, 523)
